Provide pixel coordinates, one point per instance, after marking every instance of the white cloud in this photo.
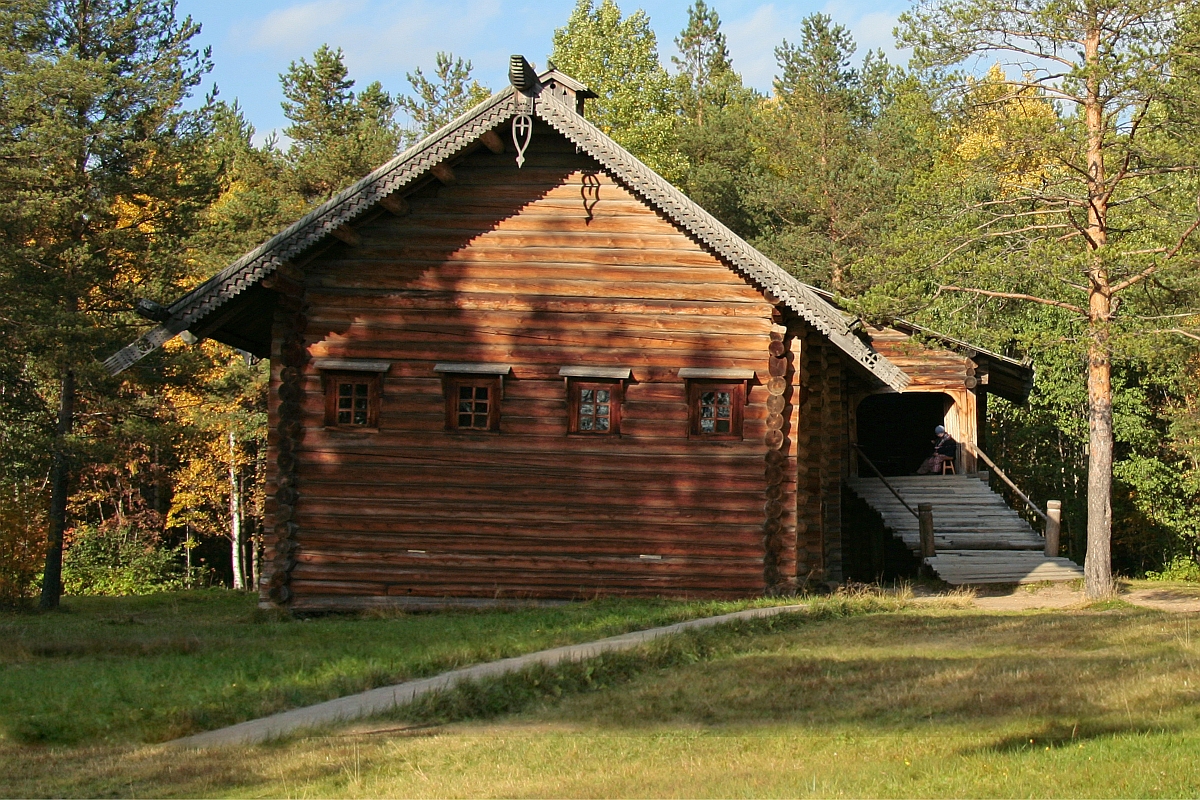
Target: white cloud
(752, 43)
(300, 27)
(377, 36)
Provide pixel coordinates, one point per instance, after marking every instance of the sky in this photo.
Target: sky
(254, 40)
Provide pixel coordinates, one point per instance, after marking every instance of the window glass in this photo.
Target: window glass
(595, 407)
(716, 409)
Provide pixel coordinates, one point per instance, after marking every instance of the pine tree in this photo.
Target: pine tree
(337, 136)
(705, 68)
(715, 124)
(102, 175)
(436, 102)
(822, 191)
(1109, 223)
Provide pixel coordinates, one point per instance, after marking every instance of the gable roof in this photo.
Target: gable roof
(414, 163)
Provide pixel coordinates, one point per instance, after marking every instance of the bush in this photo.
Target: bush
(22, 544)
(1181, 568)
(118, 560)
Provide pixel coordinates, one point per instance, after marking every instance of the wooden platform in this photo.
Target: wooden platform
(979, 539)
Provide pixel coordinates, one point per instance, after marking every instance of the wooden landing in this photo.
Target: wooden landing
(979, 539)
(959, 567)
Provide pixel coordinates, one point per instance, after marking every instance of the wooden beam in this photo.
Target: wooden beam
(443, 173)
(395, 204)
(347, 235)
(492, 142)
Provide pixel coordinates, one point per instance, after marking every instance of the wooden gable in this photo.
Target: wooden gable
(552, 266)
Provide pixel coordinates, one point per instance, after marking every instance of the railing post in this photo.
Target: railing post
(925, 522)
(1053, 526)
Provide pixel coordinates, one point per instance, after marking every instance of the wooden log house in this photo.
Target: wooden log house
(515, 363)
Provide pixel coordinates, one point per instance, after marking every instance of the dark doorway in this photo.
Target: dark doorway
(896, 430)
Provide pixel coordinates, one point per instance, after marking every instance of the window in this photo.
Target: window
(352, 400)
(716, 409)
(473, 394)
(472, 403)
(595, 406)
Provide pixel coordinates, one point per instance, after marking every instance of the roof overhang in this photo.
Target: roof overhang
(198, 307)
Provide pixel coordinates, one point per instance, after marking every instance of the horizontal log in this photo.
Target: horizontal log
(558, 573)
(500, 496)
(373, 333)
(417, 230)
(559, 282)
(612, 478)
(539, 513)
(521, 354)
(362, 298)
(336, 310)
(332, 543)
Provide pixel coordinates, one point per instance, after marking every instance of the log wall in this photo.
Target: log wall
(548, 266)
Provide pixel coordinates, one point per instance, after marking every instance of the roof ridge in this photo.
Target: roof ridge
(448, 141)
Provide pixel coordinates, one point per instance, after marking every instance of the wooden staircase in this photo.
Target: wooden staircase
(979, 539)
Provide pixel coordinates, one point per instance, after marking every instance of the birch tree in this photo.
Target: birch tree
(1109, 226)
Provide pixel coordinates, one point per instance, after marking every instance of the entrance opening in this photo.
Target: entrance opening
(896, 430)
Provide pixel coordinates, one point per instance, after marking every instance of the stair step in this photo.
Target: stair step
(978, 537)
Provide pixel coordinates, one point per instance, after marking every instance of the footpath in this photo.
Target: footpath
(379, 701)
(386, 698)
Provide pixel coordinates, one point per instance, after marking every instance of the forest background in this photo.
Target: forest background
(920, 191)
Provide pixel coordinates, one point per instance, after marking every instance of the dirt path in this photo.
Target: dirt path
(1061, 595)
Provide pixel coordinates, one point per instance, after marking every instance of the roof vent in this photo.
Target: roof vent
(521, 74)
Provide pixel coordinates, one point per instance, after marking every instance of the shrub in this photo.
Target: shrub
(22, 544)
(1181, 568)
(118, 560)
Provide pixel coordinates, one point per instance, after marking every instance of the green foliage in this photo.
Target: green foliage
(119, 560)
(837, 143)
(451, 92)
(617, 57)
(1179, 569)
(716, 123)
(337, 136)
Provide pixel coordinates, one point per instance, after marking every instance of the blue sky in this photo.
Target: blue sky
(254, 40)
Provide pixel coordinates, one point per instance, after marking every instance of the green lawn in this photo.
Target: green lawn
(149, 669)
(856, 697)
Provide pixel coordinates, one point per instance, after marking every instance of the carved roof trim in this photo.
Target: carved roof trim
(415, 162)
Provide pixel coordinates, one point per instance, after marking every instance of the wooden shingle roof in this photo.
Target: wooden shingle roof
(415, 163)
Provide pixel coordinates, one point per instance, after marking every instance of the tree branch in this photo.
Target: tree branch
(1016, 296)
(1168, 254)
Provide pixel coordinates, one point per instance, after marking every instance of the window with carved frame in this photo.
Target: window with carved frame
(716, 408)
(352, 400)
(594, 406)
(472, 402)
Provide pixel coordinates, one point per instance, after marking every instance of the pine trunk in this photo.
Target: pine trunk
(1097, 565)
(60, 478)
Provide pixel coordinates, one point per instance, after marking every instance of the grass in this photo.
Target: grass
(149, 669)
(867, 696)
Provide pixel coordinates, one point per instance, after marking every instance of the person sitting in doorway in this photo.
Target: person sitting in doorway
(944, 449)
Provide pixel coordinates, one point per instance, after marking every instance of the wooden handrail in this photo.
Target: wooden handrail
(1011, 485)
(875, 469)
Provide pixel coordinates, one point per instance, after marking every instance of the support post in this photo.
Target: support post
(925, 521)
(1053, 526)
